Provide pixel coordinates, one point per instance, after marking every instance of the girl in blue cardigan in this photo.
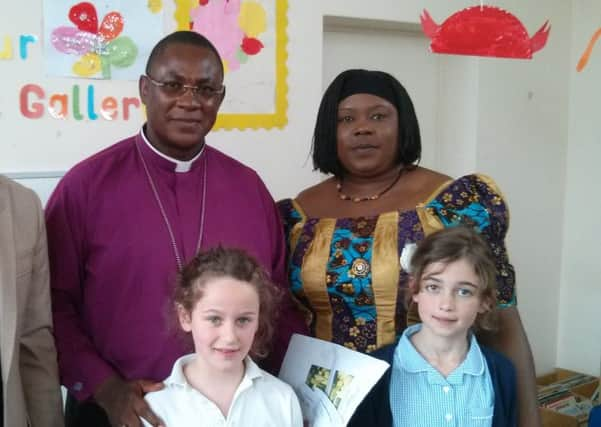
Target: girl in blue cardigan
(439, 374)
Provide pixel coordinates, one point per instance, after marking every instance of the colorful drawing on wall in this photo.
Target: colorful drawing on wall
(233, 26)
(155, 6)
(108, 39)
(587, 52)
(483, 31)
(250, 36)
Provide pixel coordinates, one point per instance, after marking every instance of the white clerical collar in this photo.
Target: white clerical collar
(181, 166)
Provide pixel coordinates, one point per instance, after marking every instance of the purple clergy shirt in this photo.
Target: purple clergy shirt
(113, 266)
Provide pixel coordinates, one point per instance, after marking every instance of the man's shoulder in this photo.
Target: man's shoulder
(24, 212)
(20, 196)
(228, 163)
(101, 170)
(9, 185)
(110, 156)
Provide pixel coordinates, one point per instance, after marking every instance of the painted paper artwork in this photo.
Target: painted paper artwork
(483, 31)
(588, 51)
(250, 36)
(108, 39)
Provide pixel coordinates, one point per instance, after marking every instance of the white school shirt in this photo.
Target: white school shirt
(260, 400)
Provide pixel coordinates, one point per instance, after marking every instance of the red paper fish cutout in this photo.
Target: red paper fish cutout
(483, 31)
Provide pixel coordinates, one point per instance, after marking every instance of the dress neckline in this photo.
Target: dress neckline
(296, 205)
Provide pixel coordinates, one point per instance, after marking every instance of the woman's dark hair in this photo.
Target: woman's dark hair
(181, 37)
(222, 262)
(454, 244)
(325, 155)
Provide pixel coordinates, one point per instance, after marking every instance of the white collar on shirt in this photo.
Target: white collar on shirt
(180, 165)
(177, 377)
(260, 399)
(407, 357)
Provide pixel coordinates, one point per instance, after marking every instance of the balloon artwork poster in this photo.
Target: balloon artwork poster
(251, 38)
(107, 39)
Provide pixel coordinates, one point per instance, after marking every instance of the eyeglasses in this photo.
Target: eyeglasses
(175, 89)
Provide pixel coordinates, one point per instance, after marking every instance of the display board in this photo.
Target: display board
(70, 71)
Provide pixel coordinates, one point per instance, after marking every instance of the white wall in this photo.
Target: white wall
(521, 142)
(579, 340)
(282, 156)
(514, 126)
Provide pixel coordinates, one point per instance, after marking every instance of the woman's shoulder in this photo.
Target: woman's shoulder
(316, 193)
(311, 197)
(430, 176)
(425, 181)
(467, 186)
(291, 213)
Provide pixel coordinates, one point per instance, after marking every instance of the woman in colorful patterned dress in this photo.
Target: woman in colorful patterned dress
(347, 233)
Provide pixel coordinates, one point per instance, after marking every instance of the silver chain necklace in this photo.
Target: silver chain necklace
(176, 252)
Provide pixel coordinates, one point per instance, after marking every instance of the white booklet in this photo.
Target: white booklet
(330, 380)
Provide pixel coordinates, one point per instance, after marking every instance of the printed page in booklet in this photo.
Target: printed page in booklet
(330, 380)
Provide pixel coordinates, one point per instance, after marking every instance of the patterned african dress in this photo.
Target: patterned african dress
(346, 274)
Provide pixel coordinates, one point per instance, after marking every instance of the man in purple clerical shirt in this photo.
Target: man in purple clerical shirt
(124, 221)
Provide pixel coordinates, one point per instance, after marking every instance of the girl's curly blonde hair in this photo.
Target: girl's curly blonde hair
(237, 264)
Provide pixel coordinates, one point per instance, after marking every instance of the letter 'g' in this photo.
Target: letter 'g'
(36, 109)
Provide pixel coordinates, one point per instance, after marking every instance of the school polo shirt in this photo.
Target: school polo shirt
(261, 400)
(422, 397)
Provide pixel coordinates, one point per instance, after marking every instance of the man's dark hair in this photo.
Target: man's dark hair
(325, 156)
(181, 37)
